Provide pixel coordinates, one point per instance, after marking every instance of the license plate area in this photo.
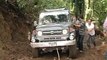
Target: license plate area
(53, 38)
(53, 43)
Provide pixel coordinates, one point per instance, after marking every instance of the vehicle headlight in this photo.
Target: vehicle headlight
(64, 31)
(39, 33)
(71, 36)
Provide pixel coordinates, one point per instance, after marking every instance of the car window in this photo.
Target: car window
(54, 19)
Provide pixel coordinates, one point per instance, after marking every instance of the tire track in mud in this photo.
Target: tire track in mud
(87, 55)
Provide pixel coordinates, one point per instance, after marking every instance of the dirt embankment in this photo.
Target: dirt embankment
(13, 35)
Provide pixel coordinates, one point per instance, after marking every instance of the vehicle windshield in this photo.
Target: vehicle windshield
(54, 19)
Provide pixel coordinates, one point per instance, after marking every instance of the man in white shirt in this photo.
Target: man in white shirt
(91, 32)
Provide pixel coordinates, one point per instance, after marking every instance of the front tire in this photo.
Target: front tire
(72, 51)
(35, 52)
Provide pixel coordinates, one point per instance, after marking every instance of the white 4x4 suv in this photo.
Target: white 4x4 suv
(54, 31)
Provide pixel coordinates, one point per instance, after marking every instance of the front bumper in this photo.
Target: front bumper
(52, 44)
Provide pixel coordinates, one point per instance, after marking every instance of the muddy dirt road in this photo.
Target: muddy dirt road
(87, 55)
(22, 51)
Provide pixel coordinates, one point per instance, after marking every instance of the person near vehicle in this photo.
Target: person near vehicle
(75, 22)
(33, 34)
(91, 32)
(80, 31)
(105, 27)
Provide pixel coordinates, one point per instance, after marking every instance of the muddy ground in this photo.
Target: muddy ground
(22, 51)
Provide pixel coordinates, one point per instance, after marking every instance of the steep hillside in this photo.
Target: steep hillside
(13, 34)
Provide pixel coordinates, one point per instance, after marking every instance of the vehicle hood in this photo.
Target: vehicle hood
(53, 26)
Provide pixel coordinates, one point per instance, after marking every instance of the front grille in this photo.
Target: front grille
(52, 32)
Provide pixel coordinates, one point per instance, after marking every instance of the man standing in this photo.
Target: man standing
(91, 32)
(80, 31)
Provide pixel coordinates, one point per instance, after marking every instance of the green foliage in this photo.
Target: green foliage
(97, 10)
(33, 7)
(29, 7)
(26, 5)
(44, 4)
(51, 3)
(100, 10)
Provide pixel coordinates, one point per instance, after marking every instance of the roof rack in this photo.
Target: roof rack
(55, 9)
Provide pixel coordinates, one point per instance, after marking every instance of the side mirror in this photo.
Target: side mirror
(35, 23)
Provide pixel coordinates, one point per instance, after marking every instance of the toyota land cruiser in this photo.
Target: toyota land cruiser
(54, 30)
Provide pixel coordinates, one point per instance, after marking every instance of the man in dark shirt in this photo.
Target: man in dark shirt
(80, 31)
